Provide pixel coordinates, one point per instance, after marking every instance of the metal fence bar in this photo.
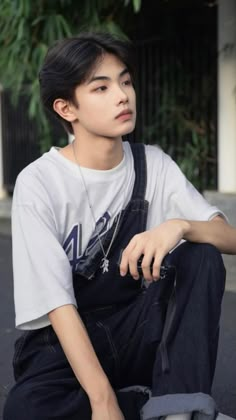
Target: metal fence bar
(176, 91)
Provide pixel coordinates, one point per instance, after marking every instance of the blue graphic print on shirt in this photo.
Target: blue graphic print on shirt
(73, 244)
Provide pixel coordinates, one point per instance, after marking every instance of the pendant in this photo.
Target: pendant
(105, 265)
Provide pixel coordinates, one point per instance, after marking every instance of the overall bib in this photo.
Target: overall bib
(156, 344)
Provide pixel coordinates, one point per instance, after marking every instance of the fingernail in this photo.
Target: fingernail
(122, 273)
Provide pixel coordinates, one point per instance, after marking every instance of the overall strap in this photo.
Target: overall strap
(140, 167)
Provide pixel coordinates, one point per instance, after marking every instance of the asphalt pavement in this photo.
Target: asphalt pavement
(224, 387)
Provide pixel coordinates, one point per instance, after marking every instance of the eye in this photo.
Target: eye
(127, 82)
(100, 88)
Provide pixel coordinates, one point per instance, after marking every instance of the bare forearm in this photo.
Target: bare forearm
(154, 244)
(79, 351)
(216, 232)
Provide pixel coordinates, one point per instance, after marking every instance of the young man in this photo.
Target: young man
(82, 218)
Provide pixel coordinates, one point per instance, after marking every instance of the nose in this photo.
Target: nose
(122, 95)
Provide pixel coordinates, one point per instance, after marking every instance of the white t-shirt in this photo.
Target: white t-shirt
(52, 224)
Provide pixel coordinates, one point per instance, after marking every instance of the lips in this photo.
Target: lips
(125, 112)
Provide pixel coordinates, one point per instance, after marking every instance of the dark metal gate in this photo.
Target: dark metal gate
(177, 109)
(177, 104)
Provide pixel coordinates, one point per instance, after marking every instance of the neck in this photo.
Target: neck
(100, 153)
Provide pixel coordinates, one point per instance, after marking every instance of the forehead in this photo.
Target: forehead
(107, 64)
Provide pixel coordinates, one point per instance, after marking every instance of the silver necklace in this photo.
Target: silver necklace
(105, 261)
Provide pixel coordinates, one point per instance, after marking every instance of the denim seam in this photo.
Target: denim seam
(95, 311)
(130, 341)
(47, 341)
(138, 211)
(109, 337)
(20, 347)
(156, 303)
(115, 355)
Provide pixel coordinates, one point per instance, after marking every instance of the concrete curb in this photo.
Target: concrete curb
(5, 208)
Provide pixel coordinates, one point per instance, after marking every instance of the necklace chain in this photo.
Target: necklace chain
(105, 260)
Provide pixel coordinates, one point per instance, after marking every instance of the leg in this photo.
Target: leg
(185, 361)
(136, 330)
(46, 387)
(43, 401)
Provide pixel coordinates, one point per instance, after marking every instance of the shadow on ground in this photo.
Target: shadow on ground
(224, 389)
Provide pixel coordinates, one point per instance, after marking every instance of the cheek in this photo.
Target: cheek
(133, 97)
(94, 115)
(96, 106)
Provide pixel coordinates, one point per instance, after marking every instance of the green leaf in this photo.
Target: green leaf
(39, 19)
(137, 5)
(29, 27)
(66, 29)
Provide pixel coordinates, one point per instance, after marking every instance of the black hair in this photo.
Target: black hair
(69, 63)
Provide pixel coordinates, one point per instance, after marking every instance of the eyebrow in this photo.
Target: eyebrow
(93, 79)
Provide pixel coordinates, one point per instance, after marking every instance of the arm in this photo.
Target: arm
(78, 349)
(84, 362)
(38, 255)
(216, 232)
(177, 211)
(157, 242)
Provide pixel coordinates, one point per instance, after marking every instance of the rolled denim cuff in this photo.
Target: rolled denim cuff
(202, 406)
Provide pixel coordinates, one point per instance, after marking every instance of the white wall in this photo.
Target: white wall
(227, 96)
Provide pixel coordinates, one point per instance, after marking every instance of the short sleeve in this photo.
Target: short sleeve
(41, 270)
(182, 200)
(170, 194)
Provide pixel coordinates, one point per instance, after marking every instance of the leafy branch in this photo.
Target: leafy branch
(27, 30)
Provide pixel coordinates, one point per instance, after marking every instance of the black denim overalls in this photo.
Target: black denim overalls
(158, 341)
(92, 287)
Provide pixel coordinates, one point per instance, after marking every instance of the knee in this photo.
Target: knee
(215, 266)
(199, 253)
(17, 405)
(211, 258)
(209, 251)
(202, 259)
(208, 260)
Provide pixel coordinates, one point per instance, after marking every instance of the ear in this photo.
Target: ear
(65, 109)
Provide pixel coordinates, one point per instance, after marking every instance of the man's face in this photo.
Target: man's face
(103, 97)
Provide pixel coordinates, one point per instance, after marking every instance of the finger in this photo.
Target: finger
(156, 267)
(124, 263)
(133, 260)
(146, 266)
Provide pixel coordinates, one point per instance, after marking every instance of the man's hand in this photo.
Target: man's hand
(153, 244)
(107, 409)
